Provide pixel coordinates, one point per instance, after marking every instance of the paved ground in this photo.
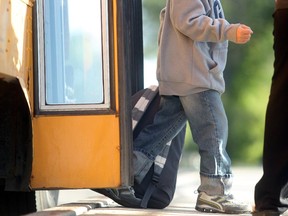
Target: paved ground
(183, 203)
(245, 179)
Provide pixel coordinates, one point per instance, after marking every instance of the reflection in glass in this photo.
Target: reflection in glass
(73, 52)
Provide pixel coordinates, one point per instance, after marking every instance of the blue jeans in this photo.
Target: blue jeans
(209, 127)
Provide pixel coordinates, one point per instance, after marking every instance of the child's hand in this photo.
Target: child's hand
(243, 34)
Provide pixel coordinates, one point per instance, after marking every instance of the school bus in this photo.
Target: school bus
(68, 69)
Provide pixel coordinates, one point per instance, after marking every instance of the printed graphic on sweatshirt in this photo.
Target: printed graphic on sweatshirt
(218, 9)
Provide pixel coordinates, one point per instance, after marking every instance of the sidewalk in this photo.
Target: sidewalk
(245, 179)
(87, 202)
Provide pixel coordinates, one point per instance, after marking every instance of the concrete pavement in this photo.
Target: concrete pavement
(87, 202)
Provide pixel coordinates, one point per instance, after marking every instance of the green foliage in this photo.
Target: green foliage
(151, 11)
(248, 74)
(246, 100)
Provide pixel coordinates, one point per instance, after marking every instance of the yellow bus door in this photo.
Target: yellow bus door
(81, 112)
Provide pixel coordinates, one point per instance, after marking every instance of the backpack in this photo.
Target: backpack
(158, 187)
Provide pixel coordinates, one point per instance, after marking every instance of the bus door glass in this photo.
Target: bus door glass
(74, 48)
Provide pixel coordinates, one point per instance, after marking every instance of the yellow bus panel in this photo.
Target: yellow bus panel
(81, 151)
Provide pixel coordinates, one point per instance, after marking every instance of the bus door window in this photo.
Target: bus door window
(75, 44)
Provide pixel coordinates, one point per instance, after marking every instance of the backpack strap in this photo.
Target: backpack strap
(159, 164)
(151, 188)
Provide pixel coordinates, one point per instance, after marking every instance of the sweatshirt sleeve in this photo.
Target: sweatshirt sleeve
(193, 18)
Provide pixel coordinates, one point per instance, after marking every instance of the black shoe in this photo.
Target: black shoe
(123, 196)
(268, 213)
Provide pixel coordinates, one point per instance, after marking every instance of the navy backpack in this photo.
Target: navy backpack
(158, 187)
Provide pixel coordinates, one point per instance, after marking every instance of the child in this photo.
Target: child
(193, 44)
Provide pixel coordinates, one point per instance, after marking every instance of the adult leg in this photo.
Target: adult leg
(271, 191)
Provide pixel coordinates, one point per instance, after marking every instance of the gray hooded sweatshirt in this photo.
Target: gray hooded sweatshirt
(193, 45)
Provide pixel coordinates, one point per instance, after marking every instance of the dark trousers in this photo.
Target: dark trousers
(271, 192)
